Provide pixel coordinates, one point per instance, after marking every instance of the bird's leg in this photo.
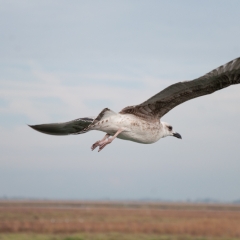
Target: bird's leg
(100, 142)
(109, 140)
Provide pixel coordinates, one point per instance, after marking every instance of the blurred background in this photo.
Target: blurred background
(61, 60)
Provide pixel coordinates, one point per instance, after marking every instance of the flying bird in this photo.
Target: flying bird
(141, 123)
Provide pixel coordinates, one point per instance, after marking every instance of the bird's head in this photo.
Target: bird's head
(168, 131)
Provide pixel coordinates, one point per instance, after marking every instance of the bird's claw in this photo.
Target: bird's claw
(95, 145)
(104, 145)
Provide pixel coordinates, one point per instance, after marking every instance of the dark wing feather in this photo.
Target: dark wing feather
(158, 105)
(76, 126)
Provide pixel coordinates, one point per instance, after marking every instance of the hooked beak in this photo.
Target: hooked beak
(177, 135)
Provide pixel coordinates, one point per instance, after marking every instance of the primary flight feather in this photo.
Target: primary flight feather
(141, 123)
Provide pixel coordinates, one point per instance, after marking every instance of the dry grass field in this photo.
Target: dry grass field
(45, 220)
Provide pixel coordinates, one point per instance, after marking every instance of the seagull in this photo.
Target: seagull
(141, 123)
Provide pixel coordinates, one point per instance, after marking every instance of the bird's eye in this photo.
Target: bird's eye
(170, 128)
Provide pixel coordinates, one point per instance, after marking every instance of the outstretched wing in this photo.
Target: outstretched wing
(158, 105)
(77, 126)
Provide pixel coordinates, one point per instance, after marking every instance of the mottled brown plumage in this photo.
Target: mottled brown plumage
(161, 103)
(141, 123)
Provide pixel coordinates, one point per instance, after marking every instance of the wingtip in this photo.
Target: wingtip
(33, 127)
(50, 128)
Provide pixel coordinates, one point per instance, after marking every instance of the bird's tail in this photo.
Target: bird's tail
(77, 126)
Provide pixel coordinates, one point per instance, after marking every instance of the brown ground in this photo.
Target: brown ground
(106, 217)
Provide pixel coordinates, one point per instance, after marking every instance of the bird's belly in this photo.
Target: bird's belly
(145, 137)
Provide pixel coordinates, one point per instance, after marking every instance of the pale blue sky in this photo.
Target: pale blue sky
(61, 60)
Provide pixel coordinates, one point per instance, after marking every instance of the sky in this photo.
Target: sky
(61, 60)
